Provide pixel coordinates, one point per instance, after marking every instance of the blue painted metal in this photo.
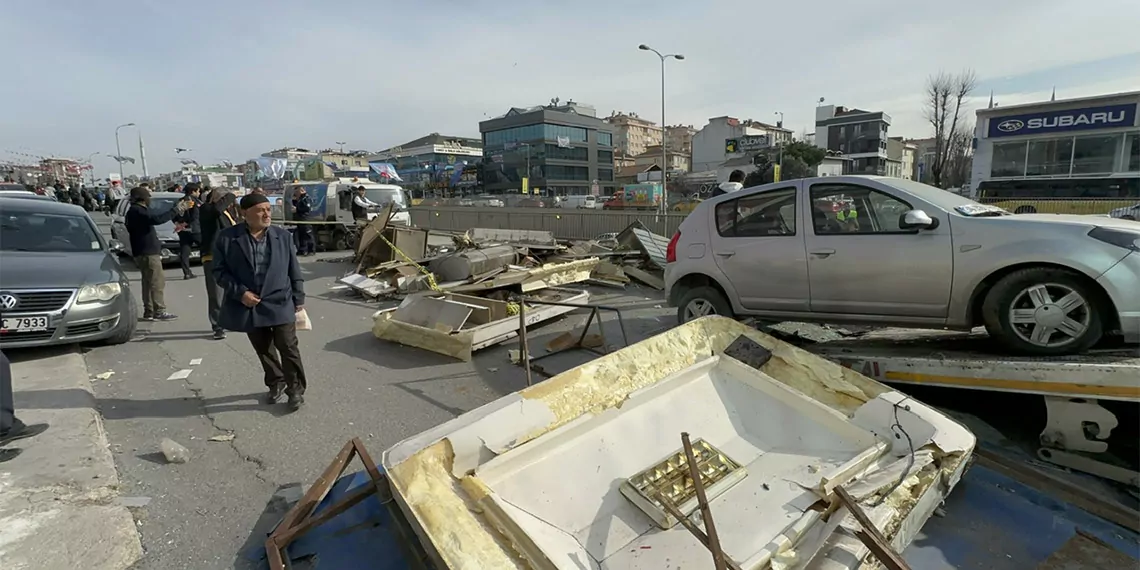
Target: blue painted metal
(995, 523)
(992, 523)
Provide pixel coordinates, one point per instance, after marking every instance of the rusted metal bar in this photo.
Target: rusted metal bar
(524, 350)
(870, 535)
(691, 527)
(703, 503)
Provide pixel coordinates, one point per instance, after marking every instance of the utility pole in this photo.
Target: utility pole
(142, 156)
(119, 152)
(664, 147)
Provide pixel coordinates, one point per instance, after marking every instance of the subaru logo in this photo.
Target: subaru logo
(1010, 126)
(8, 301)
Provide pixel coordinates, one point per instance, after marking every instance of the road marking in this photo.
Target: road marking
(181, 374)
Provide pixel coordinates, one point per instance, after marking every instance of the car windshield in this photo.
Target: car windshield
(384, 195)
(945, 200)
(49, 233)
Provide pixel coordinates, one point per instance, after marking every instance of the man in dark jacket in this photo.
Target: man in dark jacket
(147, 251)
(190, 229)
(217, 212)
(302, 208)
(11, 428)
(256, 265)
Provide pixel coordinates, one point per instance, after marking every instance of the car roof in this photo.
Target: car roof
(24, 205)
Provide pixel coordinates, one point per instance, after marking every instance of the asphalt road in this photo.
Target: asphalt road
(212, 511)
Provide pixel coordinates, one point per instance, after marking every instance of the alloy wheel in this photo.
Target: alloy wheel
(1050, 315)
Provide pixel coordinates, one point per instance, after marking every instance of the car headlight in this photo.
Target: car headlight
(99, 293)
(1117, 237)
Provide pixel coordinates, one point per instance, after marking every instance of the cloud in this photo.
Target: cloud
(234, 79)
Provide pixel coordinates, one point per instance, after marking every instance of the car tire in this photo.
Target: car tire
(711, 301)
(1016, 292)
(127, 332)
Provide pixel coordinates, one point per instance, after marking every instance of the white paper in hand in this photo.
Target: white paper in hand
(303, 322)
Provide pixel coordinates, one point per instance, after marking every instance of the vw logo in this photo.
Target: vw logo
(8, 301)
(1010, 126)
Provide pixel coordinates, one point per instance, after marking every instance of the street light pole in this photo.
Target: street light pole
(92, 166)
(664, 147)
(781, 125)
(119, 152)
(142, 155)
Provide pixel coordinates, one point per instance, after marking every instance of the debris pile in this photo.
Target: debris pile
(461, 296)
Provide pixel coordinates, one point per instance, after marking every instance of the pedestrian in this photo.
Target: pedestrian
(116, 193)
(11, 428)
(76, 195)
(302, 208)
(361, 204)
(735, 183)
(61, 194)
(147, 251)
(217, 212)
(256, 264)
(189, 227)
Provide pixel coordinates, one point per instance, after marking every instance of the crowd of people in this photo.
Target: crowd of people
(90, 199)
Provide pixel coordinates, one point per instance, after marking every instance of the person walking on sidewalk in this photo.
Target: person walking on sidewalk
(11, 428)
(256, 265)
(190, 229)
(147, 251)
(217, 212)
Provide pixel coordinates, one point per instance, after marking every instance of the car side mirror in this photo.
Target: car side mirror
(115, 245)
(917, 220)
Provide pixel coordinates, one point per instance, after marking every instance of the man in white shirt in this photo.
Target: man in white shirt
(360, 204)
(735, 183)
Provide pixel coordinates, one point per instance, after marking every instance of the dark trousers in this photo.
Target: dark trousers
(186, 243)
(213, 295)
(305, 242)
(7, 402)
(153, 284)
(267, 343)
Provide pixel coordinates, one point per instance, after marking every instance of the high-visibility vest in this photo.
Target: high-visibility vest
(848, 215)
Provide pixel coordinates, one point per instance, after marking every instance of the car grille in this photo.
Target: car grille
(40, 301)
(27, 336)
(86, 328)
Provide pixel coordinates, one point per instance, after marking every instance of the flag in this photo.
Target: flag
(385, 170)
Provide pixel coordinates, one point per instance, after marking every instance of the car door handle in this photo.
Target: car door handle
(726, 253)
(823, 252)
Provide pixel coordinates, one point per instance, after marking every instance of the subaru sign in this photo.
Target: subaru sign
(1087, 119)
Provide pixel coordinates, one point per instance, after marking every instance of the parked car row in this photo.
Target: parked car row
(894, 252)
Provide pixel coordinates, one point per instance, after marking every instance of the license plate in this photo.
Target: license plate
(23, 324)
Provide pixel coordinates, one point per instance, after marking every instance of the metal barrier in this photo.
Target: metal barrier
(1080, 206)
(565, 223)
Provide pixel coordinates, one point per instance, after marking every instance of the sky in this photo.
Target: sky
(231, 80)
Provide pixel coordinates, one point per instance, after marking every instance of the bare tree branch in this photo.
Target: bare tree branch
(945, 110)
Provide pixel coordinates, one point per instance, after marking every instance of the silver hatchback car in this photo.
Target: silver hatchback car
(894, 252)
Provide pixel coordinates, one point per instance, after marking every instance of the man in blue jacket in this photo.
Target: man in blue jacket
(255, 264)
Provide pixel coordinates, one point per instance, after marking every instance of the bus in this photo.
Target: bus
(1075, 195)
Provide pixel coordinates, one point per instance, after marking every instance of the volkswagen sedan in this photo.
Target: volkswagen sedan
(60, 283)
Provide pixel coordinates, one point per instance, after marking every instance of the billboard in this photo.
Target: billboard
(1068, 120)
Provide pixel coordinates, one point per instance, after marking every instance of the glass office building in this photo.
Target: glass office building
(562, 150)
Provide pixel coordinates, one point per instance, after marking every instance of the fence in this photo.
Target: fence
(1082, 206)
(566, 224)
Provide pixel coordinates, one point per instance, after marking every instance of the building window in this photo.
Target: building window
(556, 152)
(1095, 155)
(1132, 153)
(514, 134)
(605, 139)
(1049, 157)
(1008, 160)
(560, 172)
(606, 174)
(605, 157)
(554, 132)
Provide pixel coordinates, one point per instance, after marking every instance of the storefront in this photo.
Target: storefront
(1060, 145)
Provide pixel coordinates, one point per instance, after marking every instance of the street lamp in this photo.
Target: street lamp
(119, 151)
(88, 162)
(781, 125)
(664, 149)
(341, 144)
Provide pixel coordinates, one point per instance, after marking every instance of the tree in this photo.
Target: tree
(945, 110)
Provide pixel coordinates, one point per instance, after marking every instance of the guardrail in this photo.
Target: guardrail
(565, 223)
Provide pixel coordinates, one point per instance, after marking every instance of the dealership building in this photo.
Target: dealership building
(1086, 138)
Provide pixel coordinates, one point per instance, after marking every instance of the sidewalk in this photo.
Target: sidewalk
(59, 498)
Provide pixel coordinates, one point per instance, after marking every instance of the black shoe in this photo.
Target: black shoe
(189, 276)
(165, 317)
(20, 430)
(147, 318)
(296, 401)
(219, 335)
(9, 454)
(275, 394)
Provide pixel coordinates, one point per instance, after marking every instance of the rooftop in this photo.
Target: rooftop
(1095, 98)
